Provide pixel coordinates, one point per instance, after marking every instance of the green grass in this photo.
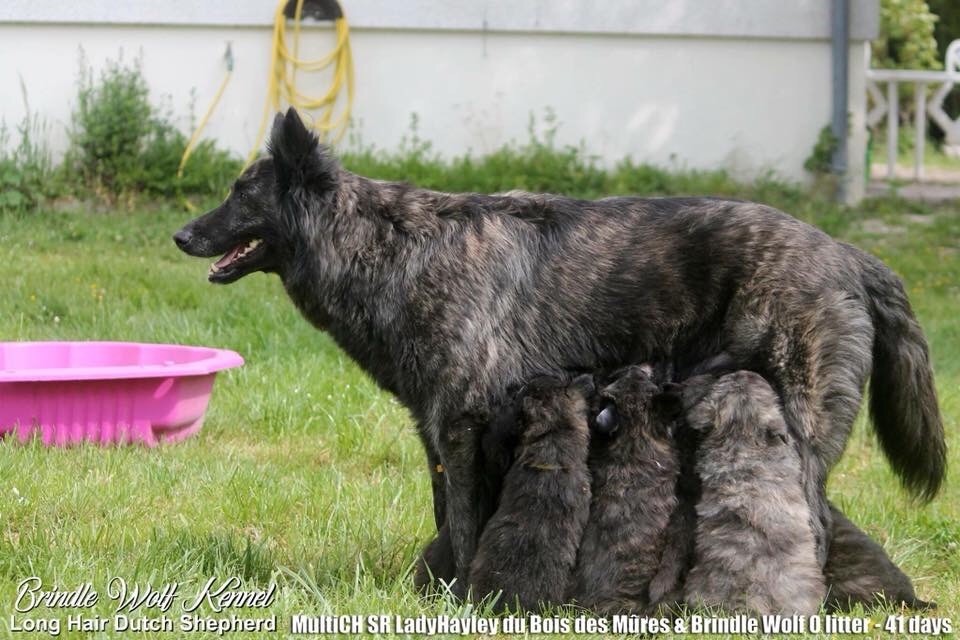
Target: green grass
(305, 473)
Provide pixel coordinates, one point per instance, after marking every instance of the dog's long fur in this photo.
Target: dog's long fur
(446, 299)
(528, 548)
(755, 549)
(633, 485)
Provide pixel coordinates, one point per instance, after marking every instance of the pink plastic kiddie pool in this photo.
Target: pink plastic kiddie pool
(106, 392)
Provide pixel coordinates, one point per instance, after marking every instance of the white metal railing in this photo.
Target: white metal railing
(946, 79)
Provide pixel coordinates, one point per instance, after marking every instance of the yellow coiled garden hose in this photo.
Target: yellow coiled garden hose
(281, 85)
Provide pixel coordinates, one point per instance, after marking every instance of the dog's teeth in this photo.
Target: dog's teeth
(214, 268)
(253, 244)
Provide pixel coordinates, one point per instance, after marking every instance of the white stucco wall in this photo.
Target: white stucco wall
(694, 83)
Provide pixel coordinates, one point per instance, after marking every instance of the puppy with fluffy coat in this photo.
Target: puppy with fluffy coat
(755, 546)
(528, 548)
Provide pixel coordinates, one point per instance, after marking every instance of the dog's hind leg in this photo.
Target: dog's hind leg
(859, 571)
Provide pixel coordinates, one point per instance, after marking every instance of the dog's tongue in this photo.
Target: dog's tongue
(229, 257)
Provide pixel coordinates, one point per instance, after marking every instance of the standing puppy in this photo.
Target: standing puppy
(634, 475)
(755, 548)
(528, 548)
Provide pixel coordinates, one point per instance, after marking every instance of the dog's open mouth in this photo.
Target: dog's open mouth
(237, 262)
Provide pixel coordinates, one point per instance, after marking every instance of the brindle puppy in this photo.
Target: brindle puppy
(634, 469)
(528, 549)
(755, 548)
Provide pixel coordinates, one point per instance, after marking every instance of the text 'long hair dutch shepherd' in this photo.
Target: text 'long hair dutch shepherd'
(447, 299)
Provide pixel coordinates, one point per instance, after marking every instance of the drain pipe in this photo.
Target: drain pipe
(840, 49)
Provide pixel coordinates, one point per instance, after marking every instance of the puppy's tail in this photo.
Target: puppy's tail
(903, 399)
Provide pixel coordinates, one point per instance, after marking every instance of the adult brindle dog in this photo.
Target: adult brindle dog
(448, 299)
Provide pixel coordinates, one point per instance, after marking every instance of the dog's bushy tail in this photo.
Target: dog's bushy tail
(903, 399)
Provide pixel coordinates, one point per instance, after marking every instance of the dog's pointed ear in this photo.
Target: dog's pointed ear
(299, 158)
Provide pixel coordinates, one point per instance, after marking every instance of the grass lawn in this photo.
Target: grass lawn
(305, 473)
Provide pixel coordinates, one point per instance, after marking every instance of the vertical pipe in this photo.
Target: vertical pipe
(840, 50)
(920, 129)
(893, 114)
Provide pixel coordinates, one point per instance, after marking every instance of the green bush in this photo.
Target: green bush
(820, 160)
(122, 145)
(27, 174)
(906, 36)
(208, 172)
(111, 124)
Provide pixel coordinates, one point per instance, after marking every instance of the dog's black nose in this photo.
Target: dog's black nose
(182, 238)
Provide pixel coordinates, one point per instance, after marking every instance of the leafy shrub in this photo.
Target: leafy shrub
(905, 42)
(209, 170)
(537, 165)
(111, 124)
(906, 36)
(121, 144)
(820, 160)
(26, 172)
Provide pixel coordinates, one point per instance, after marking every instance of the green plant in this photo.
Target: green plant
(111, 123)
(820, 160)
(906, 41)
(209, 170)
(26, 171)
(540, 164)
(122, 145)
(906, 38)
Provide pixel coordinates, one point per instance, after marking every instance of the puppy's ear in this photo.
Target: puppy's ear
(699, 409)
(585, 384)
(694, 390)
(299, 158)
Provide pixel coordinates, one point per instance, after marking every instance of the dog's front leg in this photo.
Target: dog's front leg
(459, 454)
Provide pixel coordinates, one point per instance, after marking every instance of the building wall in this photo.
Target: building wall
(699, 84)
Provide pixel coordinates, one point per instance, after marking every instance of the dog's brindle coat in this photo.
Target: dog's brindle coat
(634, 470)
(528, 549)
(754, 549)
(447, 299)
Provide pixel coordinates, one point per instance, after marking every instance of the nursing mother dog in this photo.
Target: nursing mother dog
(448, 299)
